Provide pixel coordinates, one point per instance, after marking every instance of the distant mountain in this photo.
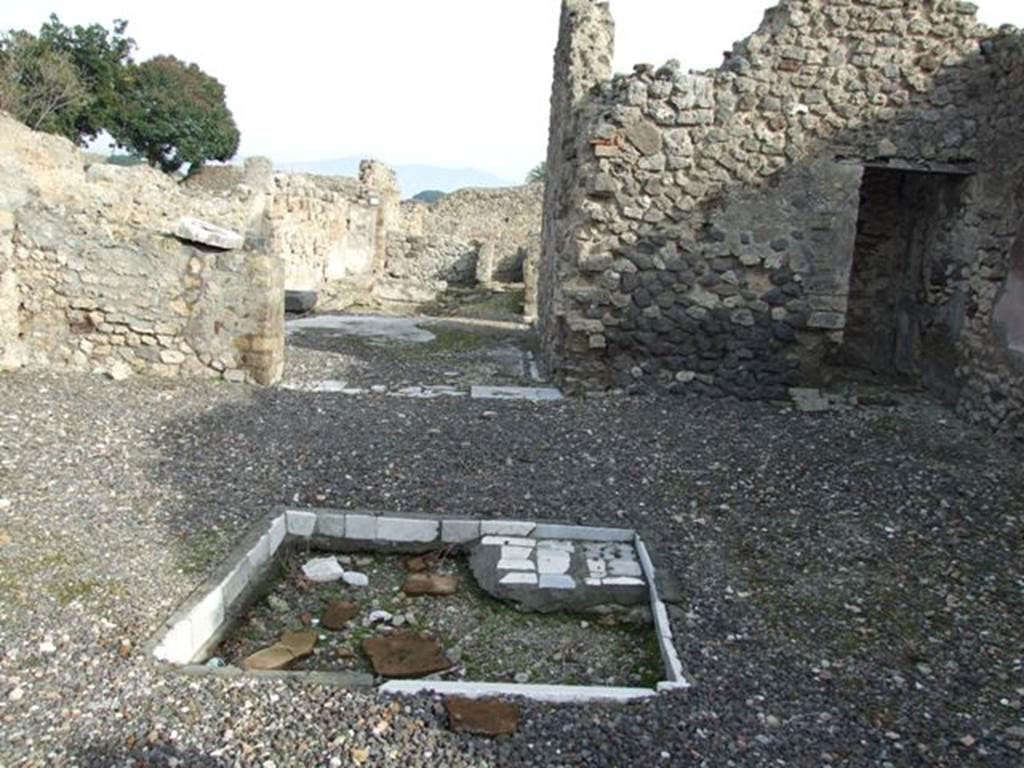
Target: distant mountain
(413, 179)
(429, 195)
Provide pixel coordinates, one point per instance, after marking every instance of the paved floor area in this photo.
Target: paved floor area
(852, 582)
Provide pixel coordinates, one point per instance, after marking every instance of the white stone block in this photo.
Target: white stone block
(532, 394)
(554, 694)
(519, 578)
(459, 531)
(361, 527)
(645, 559)
(301, 523)
(516, 553)
(553, 562)
(666, 687)
(260, 553)
(554, 581)
(582, 533)
(323, 570)
(597, 567)
(670, 659)
(330, 524)
(623, 581)
(661, 623)
(506, 528)
(176, 646)
(507, 541)
(555, 545)
(624, 568)
(407, 529)
(197, 231)
(206, 618)
(590, 581)
(516, 565)
(278, 530)
(236, 582)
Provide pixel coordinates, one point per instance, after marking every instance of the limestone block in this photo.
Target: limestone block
(407, 529)
(197, 231)
(459, 531)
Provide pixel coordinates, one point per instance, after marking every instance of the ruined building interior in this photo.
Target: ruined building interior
(840, 198)
(703, 451)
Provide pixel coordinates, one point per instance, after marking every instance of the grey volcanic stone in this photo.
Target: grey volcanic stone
(549, 592)
(299, 301)
(197, 231)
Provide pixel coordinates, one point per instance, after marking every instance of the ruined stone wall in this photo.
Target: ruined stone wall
(583, 59)
(323, 228)
(100, 285)
(700, 230)
(445, 239)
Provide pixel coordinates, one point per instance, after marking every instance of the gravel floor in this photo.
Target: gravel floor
(486, 638)
(852, 581)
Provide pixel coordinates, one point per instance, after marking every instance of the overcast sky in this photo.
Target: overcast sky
(457, 83)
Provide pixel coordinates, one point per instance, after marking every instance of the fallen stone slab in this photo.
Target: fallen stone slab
(484, 717)
(202, 232)
(433, 584)
(338, 614)
(299, 641)
(559, 575)
(293, 646)
(531, 394)
(405, 655)
(323, 569)
(298, 302)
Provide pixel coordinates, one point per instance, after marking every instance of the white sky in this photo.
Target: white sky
(457, 83)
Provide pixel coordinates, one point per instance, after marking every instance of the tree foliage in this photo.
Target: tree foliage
(79, 81)
(537, 173)
(174, 113)
(103, 59)
(38, 85)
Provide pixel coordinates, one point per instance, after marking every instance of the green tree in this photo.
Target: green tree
(103, 59)
(174, 113)
(40, 86)
(537, 173)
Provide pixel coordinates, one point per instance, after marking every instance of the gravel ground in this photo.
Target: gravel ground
(488, 639)
(852, 581)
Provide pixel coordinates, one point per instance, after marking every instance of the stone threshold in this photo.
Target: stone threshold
(192, 632)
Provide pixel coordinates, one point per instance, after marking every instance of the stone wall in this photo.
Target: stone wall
(323, 228)
(91, 279)
(583, 59)
(701, 230)
(444, 240)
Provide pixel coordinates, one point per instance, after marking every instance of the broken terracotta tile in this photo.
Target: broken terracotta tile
(430, 584)
(486, 717)
(405, 654)
(337, 614)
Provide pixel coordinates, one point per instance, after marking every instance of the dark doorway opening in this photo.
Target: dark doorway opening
(905, 309)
